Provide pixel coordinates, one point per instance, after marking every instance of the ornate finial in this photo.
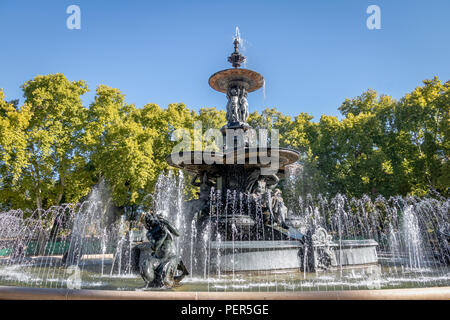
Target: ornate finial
(236, 58)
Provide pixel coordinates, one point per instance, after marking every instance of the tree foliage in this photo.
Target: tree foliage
(53, 149)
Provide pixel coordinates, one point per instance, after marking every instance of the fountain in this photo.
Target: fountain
(238, 235)
(255, 233)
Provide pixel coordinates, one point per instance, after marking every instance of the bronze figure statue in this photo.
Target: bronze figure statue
(156, 260)
(233, 105)
(243, 106)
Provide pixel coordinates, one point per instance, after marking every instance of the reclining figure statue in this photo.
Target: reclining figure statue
(156, 260)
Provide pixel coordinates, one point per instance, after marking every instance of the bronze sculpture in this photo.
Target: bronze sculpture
(156, 260)
(233, 105)
(243, 106)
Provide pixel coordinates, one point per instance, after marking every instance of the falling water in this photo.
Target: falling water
(264, 92)
(120, 248)
(412, 235)
(412, 238)
(237, 35)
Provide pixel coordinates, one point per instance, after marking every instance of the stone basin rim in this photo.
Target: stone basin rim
(220, 80)
(265, 244)
(268, 244)
(25, 293)
(286, 156)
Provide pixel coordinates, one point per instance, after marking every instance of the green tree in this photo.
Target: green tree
(422, 126)
(53, 150)
(13, 152)
(119, 148)
(51, 157)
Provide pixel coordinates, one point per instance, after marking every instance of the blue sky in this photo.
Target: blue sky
(313, 54)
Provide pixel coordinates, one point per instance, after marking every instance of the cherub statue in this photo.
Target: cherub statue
(233, 105)
(243, 106)
(279, 210)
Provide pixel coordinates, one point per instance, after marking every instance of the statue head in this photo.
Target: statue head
(261, 186)
(150, 220)
(233, 92)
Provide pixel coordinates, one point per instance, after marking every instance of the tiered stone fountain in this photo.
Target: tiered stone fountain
(240, 207)
(239, 223)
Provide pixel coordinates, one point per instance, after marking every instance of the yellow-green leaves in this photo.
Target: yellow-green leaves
(42, 153)
(13, 142)
(119, 146)
(53, 149)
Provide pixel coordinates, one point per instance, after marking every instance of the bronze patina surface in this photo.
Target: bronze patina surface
(250, 79)
(194, 162)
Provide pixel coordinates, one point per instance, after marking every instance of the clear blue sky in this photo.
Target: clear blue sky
(313, 54)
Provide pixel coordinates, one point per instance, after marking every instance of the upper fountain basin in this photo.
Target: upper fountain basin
(249, 79)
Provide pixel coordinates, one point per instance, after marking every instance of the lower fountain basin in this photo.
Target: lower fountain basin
(228, 256)
(356, 252)
(95, 275)
(236, 256)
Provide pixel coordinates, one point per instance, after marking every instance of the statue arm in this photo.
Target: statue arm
(159, 243)
(168, 227)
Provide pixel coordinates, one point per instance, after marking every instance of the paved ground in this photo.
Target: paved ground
(16, 293)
